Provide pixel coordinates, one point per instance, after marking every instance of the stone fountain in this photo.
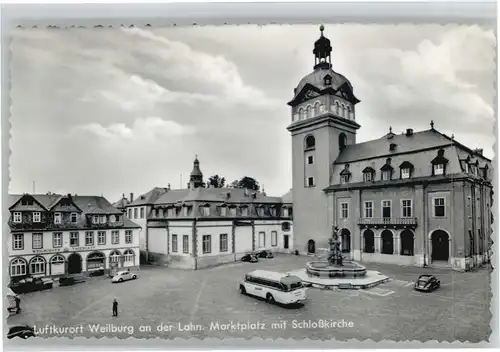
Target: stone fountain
(336, 272)
(335, 265)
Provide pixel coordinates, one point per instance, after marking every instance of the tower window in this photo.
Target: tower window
(310, 142)
(309, 111)
(342, 141)
(310, 159)
(310, 181)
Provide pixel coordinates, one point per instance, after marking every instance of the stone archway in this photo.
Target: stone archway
(311, 246)
(407, 242)
(74, 263)
(369, 241)
(387, 238)
(440, 249)
(345, 236)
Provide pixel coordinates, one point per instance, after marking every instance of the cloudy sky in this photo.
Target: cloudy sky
(116, 111)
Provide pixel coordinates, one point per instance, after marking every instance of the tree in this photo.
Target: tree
(249, 183)
(216, 181)
(234, 184)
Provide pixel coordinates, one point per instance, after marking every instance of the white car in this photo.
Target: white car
(124, 276)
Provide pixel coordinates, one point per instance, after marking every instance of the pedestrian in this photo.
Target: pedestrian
(18, 303)
(115, 308)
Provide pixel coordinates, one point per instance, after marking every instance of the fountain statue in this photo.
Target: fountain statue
(335, 265)
(335, 255)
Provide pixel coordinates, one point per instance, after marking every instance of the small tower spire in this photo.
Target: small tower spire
(196, 177)
(390, 129)
(322, 51)
(432, 124)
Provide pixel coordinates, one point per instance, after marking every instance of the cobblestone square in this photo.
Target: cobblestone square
(207, 303)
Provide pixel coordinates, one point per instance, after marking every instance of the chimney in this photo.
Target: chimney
(131, 197)
(409, 132)
(479, 151)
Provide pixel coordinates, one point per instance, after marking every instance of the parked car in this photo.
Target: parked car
(265, 254)
(427, 283)
(249, 257)
(21, 331)
(30, 284)
(71, 280)
(124, 276)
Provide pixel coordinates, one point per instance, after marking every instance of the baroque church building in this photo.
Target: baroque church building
(417, 198)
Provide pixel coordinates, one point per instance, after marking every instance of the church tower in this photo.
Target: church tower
(323, 123)
(196, 177)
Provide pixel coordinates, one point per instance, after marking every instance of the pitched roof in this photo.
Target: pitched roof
(122, 203)
(287, 197)
(378, 148)
(149, 197)
(88, 204)
(200, 194)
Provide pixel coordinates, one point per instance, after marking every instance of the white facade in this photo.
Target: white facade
(194, 245)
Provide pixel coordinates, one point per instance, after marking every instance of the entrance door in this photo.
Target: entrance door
(346, 241)
(440, 246)
(311, 246)
(285, 241)
(74, 263)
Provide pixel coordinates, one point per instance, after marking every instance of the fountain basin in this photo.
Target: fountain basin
(327, 270)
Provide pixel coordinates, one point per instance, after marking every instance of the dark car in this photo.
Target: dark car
(30, 284)
(427, 283)
(21, 331)
(71, 280)
(265, 254)
(252, 258)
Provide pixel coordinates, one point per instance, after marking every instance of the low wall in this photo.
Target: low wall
(389, 259)
(214, 260)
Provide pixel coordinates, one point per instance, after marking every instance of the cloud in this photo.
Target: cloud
(143, 129)
(88, 104)
(185, 63)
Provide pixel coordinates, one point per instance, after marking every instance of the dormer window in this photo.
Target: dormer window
(205, 209)
(485, 172)
(17, 217)
(103, 219)
(439, 164)
(466, 167)
(406, 169)
(392, 147)
(386, 175)
(272, 210)
(368, 174)
(171, 211)
(37, 216)
(439, 169)
(232, 210)
(405, 173)
(387, 170)
(327, 80)
(185, 210)
(260, 210)
(74, 218)
(223, 210)
(57, 218)
(244, 210)
(112, 218)
(95, 219)
(285, 212)
(345, 175)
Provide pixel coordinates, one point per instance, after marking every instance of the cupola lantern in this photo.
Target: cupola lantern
(322, 52)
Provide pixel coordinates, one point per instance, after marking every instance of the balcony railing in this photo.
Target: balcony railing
(399, 222)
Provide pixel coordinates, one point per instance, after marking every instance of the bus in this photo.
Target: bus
(274, 287)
